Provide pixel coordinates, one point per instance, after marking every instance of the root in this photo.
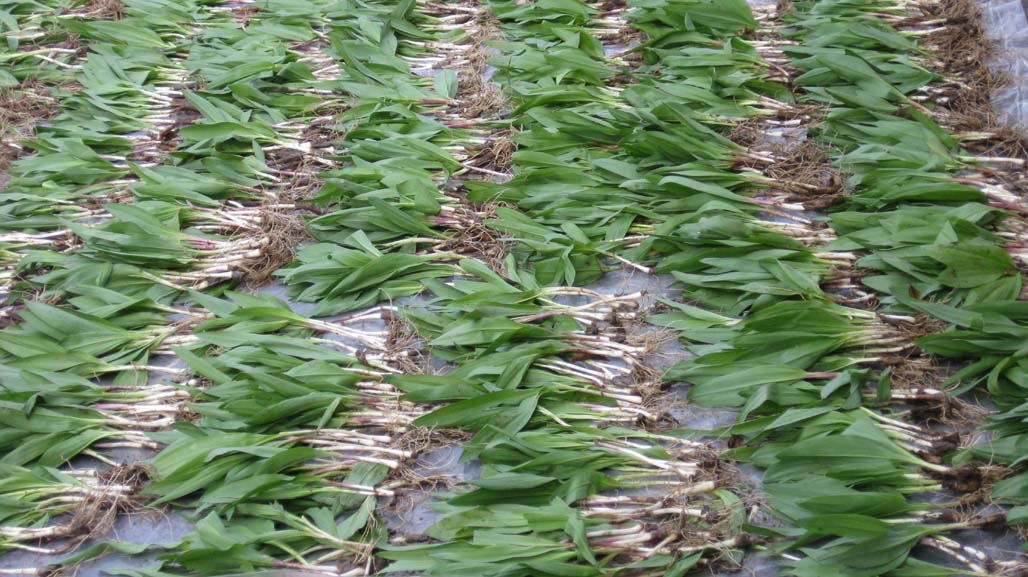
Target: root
(403, 348)
(915, 373)
(417, 440)
(974, 482)
(21, 107)
(95, 517)
(652, 341)
(784, 7)
(364, 556)
(473, 238)
(963, 51)
(244, 14)
(477, 97)
(135, 475)
(748, 133)
(923, 325)
(498, 154)
(420, 485)
(183, 114)
(806, 164)
(101, 10)
(962, 45)
(320, 134)
(660, 404)
(977, 490)
(920, 379)
(720, 471)
(487, 102)
(646, 379)
(285, 232)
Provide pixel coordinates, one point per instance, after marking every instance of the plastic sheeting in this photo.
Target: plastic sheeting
(1006, 24)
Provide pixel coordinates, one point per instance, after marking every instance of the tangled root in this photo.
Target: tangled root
(807, 173)
(497, 154)
(477, 97)
(915, 373)
(974, 482)
(285, 232)
(290, 161)
(920, 380)
(923, 325)
(969, 109)
(963, 51)
(646, 378)
(301, 189)
(961, 45)
(95, 517)
(25, 103)
(633, 60)
(245, 14)
(713, 467)
(651, 340)
(403, 347)
(623, 37)
(950, 411)
(21, 107)
(784, 7)
(748, 133)
(321, 134)
(486, 102)
(473, 238)
(420, 485)
(976, 489)
(660, 403)
(417, 440)
(402, 335)
(11, 314)
(611, 5)
(135, 475)
(101, 10)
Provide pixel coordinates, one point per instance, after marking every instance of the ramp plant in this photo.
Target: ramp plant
(434, 183)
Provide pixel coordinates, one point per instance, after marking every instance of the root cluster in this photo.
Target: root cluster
(285, 232)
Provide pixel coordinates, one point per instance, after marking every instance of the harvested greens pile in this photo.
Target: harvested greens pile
(439, 187)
